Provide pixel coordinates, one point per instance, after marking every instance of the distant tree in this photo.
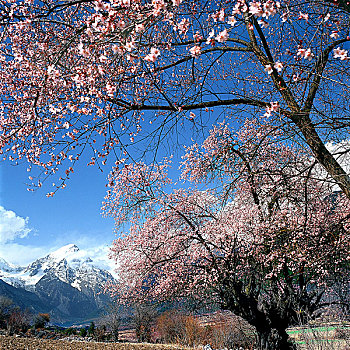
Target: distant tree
(70, 331)
(174, 326)
(41, 320)
(170, 326)
(6, 305)
(100, 333)
(143, 317)
(91, 329)
(83, 332)
(112, 320)
(19, 320)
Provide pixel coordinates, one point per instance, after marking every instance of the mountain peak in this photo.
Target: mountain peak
(64, 251)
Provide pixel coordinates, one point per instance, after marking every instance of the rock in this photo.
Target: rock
(40, 334)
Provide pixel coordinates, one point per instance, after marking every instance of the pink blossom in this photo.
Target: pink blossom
(51, 70)
(263, 23)
(83, 51)
(270, 8)
(284, 17)
(306, 54)
(195, 51)
(130, 45)
(117, 50)
(268, 69)
(304, 16)
(222, 15)
(278, 66)
(103, 59)
(111, 89)
(210, 37)
(256, 9)
(139, 28)
(197, 36)
(183, 26)
(232, 20)
(222, 36)
(153, 55)
(334, 34)
(99, 6)
(158, 6)
(274, 107)
(340, 53)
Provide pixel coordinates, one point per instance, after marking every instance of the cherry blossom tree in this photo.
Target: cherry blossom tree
(106, 75)
(265, 239)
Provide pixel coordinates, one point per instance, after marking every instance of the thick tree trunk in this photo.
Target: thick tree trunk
(270, 321)
(273, 339)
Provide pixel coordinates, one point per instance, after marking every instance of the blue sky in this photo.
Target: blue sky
(42, 224)
(33, 225)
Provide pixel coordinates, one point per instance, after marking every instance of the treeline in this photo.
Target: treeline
(221, 329)
(14, 319)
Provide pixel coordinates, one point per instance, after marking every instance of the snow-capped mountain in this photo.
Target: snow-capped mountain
(7, 267)
(65, 279)
(68, 264)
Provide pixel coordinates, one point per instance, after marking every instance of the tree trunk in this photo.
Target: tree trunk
(321, 153)
(270, 322)
(273, 339)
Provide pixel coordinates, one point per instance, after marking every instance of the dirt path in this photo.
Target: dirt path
(16, 343)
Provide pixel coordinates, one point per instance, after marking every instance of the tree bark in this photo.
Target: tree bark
(321, 153)
(270, 322)
(273, 339)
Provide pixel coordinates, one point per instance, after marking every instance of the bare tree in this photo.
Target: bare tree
(6, 305)
(19, 320)
(144, 317)
(112, 320)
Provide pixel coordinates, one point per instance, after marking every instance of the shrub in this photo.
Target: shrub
(176, 327)
(6, 305)
(70, 331)
(83, 332)
(18, 320)
(41, 320)
(91, 329)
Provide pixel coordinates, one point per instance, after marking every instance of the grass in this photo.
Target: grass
(323, 337)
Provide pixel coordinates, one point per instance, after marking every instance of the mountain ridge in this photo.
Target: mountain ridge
(67, 282)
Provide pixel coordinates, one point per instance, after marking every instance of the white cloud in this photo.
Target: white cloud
(12, 226)
(99, 255)
(21, 255)
(341, 152)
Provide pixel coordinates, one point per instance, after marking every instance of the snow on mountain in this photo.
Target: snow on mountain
(67, 283)
(8, 267)
(69, 264)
